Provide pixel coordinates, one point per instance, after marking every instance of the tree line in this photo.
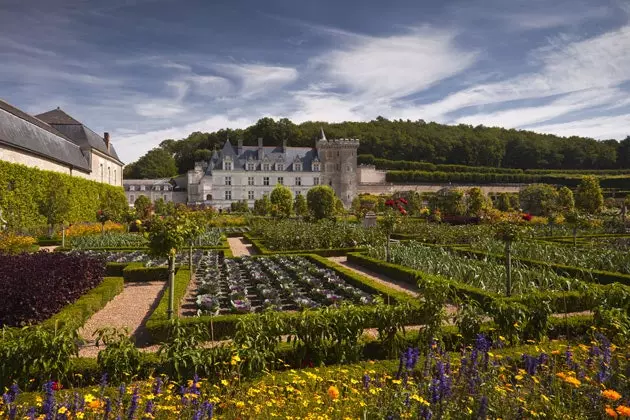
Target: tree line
(400, 140)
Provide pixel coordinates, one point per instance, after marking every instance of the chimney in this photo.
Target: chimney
(106, 138)
(239, 149)
(284, 146)
(261, 151)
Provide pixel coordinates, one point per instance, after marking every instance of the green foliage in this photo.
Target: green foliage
(168, 235)
(477, 202)
(108, 239)
(240, 206)
(182, 350)
(156, 163)
(449, 201)
(262, 206)
(503, 202)
(300, 205)
(539, 199)
(143, 207)
(566, 201)
(120, 358)
(588, 196)
(55, 204)
(23, 189)
(281, 201)
(321, 202)
(469, 320)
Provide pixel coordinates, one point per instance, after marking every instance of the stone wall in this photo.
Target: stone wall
(388, 188)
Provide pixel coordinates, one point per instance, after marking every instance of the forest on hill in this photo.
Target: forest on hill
(400, 140)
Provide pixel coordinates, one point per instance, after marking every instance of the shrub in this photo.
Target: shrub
(321, 202)
(36, 286)
(11, 243)
(84, 229)
(109, 240)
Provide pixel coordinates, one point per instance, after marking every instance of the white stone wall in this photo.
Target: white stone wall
(368, 174)
(14, 156)
(106, 170)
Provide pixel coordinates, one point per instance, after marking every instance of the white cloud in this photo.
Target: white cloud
(521, 117)
(599, 62)
(608, 127)
(256, 79)
(158, 109)
(131, 146)
(396, 66)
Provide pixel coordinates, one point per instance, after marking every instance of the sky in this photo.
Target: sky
(149, 70)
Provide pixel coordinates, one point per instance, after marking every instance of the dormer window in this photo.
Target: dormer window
(297, 166)
(227, 166)
(279, 166)
(316, 167)
(266, 167)
(251, 166)
(132, 188)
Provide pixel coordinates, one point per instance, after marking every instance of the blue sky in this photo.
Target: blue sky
(147, 70)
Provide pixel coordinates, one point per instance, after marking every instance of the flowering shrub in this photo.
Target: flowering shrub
(36, 286)
(84, 229)
(11, 243)
(555, 382)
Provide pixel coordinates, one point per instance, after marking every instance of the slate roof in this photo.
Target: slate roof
(271, 154)
(77, 132)
(23, 131)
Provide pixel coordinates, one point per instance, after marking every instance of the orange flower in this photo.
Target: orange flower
(333, 392)
(611, 395)
(623, 410)
(611, 413)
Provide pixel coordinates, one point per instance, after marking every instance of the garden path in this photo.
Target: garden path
(240, 248)
(130, 309)
(50, 248)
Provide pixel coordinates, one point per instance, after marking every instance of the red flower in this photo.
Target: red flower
(402, 200)
(403, 211)
(527, 217)
(389, 203)
(56, 386)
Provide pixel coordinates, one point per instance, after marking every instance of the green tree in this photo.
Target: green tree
(113, 204)
(477, 202)
(142, 205)
(538, 199)
(339, 207)
(321, 202)
(159, 206)
(55, 203)
(301, 208)
(239, 206)
(565, 199)
(202, 155)
(588, 196)
(281, 201)
(450, 201)
(157, 163)
(503, 202)
(262, 207)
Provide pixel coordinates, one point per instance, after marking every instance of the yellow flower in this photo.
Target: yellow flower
(611, 395)
(235, 360)
(62, 410)
(572, 380)
(333, 392)
(418, 398)
(224, 382)
(240, 404)
(80, 415)
(94, 404)
(89, 398)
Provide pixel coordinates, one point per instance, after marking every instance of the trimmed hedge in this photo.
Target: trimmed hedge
(136, 272)
(22, 187)
(76, 313)
(157, 324)
(261, 249)
(569, 180)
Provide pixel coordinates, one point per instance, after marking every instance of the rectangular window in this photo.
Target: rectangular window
(102, 174)
(316, 167)
(250, 180)
(115, 179)
(297, 167)
(266, 167)
(228, 180)
(132, 199)
(250, 195)
(227, 166)
(298, 180)
(266, 180)
(228, 195)
(132, 188)
(141, 187)
(280, 180)
(280, 167)
(251, 166)
(165, 197)
(109, 175)
(316, 180)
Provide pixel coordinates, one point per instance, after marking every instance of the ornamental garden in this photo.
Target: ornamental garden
(455, 305)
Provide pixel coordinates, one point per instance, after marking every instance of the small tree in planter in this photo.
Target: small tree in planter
(394, 209)
(103, 217)
(509, 232)
(166, 237)
(194, 228)
(576, 220)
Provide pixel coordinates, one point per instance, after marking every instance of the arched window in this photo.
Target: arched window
(209, 197)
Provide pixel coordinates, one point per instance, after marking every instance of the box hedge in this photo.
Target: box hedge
(136, 272)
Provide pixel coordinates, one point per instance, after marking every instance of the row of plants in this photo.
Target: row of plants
(568, 180)
(12, 243)
(282, 235)
(35, 286)
(110, 239)
(485, 274)
(606, 258)
(286, 283)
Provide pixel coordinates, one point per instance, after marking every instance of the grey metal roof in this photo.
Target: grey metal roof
(272, 154)
(77, 132)
(23, 131)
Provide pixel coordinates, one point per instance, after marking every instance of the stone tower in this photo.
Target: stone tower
(338, 159)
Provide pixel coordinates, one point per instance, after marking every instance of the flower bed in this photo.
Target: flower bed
(128, 257)
(109, 239)
(243, 285)
(36, 286)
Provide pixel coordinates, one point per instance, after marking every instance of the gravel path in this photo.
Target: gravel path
(49, 248)
(240, 248)
(130, 309)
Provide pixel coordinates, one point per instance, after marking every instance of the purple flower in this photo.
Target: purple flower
(426, 413)
(483, 408)
(133, 405)
(210, 411)
(531, 364)
(48, 406)
(366, 381)
(149, 408)
(157, 387)
(108, 408)
(30, 413)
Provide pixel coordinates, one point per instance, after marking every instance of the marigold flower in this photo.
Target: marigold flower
(611, 395)
(623, 410)
(333, 392)
(611, 413)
